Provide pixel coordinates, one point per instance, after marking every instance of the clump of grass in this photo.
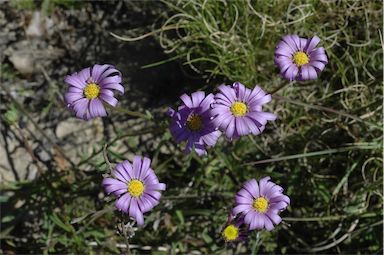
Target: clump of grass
(318, 145)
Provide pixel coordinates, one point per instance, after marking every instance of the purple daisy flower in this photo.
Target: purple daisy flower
(238, 110)
(136, 186)
(235, 229)
(90, 87)
(299, 59)
(192, 123)
(260, 203)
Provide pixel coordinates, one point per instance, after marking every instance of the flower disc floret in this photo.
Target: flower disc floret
(239, 109)
(300, 58)
(260, 204)
(135, 188)
(92, 90)
(194, 122)
(230, 233)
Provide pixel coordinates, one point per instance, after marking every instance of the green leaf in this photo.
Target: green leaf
(60, 223)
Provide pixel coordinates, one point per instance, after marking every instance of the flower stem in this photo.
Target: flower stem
(126, 239)
(256, 245)
(280, 87)
(130, 113)
(127, 244)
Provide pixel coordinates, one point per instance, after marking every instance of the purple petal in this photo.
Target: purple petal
(211, 138)
(121, 173)
(186, 100)
(110, 100)
(117, 191)
(245, 193)
(242, 208)
(84, 75)
(228, 92)
(276, 219)
(267, 223)
(96, 108)
(110, 80)
(144, 167)
(241, 126)
(74, 80)
(243, 200)
(252, 125)
(283, 198)
(279, 206)
(136, 167)
(139, 215)
(206, 103)
(308, 73)
(123, 203)
(156, 186)
(252, 187)
(260, 101)
(70, 97)
(145, 204)
(289, 39)
(80, 107)
(108, 72)
(283, 63)
(197, 97)
(241, 90)
(311, 44)
(291, 73)
(155, 194)
(151, 177)
(133, 208)
(303, 43)
(274, 190)
(318, 55)
(230, 129)
(128, 169)
(223, 120)
(256, 223)
(97, 70)
(262, 184)
(115, 86)
(318, 65)
(221, 99)
(219, 109)
(284, 49)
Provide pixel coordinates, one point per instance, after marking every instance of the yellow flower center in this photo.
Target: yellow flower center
(300, 58)
(194, 122)
(239, 109)
(135, 188)
(230, 233)
(260, 204)
(92, 90)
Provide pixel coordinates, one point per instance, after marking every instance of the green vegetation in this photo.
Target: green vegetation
(325, 148)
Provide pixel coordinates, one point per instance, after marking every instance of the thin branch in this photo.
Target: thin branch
(315, 153)
(326, 109)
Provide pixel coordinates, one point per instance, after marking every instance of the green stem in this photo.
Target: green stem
(326, 109)
(130, 113)
(279, 88)
(331, 218)
(316, 153)
(256, 245)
